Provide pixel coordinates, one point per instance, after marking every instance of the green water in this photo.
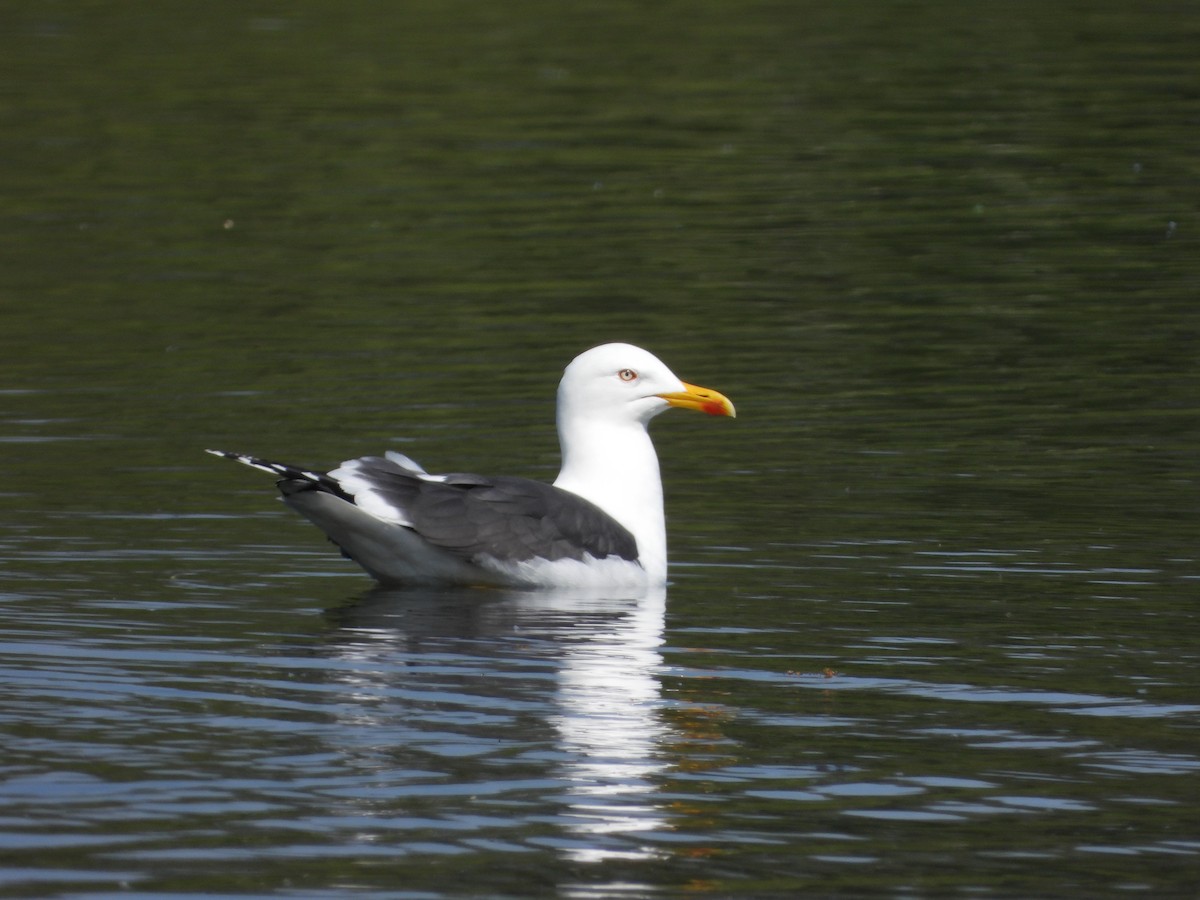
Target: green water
(932, 626)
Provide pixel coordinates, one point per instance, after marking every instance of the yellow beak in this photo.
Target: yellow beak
(691, 397)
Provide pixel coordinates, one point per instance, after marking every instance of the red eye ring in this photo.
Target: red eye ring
(627, 375)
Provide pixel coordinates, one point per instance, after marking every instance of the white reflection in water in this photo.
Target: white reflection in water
(480, 675)
(607, 718)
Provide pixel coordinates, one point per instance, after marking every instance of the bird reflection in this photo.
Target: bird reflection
(608, 724)
(577, 673)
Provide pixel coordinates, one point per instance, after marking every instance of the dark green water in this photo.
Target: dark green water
(932, 629)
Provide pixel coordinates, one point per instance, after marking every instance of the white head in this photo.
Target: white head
(606, 398)
(623, 383)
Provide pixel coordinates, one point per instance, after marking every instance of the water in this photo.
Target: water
(931, 625)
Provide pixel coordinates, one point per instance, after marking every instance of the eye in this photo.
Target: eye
(627, 375)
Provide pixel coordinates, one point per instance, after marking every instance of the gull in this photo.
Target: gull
(599, 525)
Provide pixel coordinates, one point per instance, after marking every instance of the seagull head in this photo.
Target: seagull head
(624, 383)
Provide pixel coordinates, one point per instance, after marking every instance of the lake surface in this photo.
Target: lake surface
(932, 621)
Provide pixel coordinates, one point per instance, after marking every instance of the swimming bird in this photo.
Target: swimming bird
(600, 524)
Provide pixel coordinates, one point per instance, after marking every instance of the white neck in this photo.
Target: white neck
(615, 467)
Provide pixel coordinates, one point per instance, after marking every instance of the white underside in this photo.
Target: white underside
(587, 573)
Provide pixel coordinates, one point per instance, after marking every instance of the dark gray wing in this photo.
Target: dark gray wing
(502, 517)
(469, 515)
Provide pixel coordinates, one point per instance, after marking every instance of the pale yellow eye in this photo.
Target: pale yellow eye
(627, 375)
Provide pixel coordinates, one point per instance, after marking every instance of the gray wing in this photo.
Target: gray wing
(470, 516)
(505, 518)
